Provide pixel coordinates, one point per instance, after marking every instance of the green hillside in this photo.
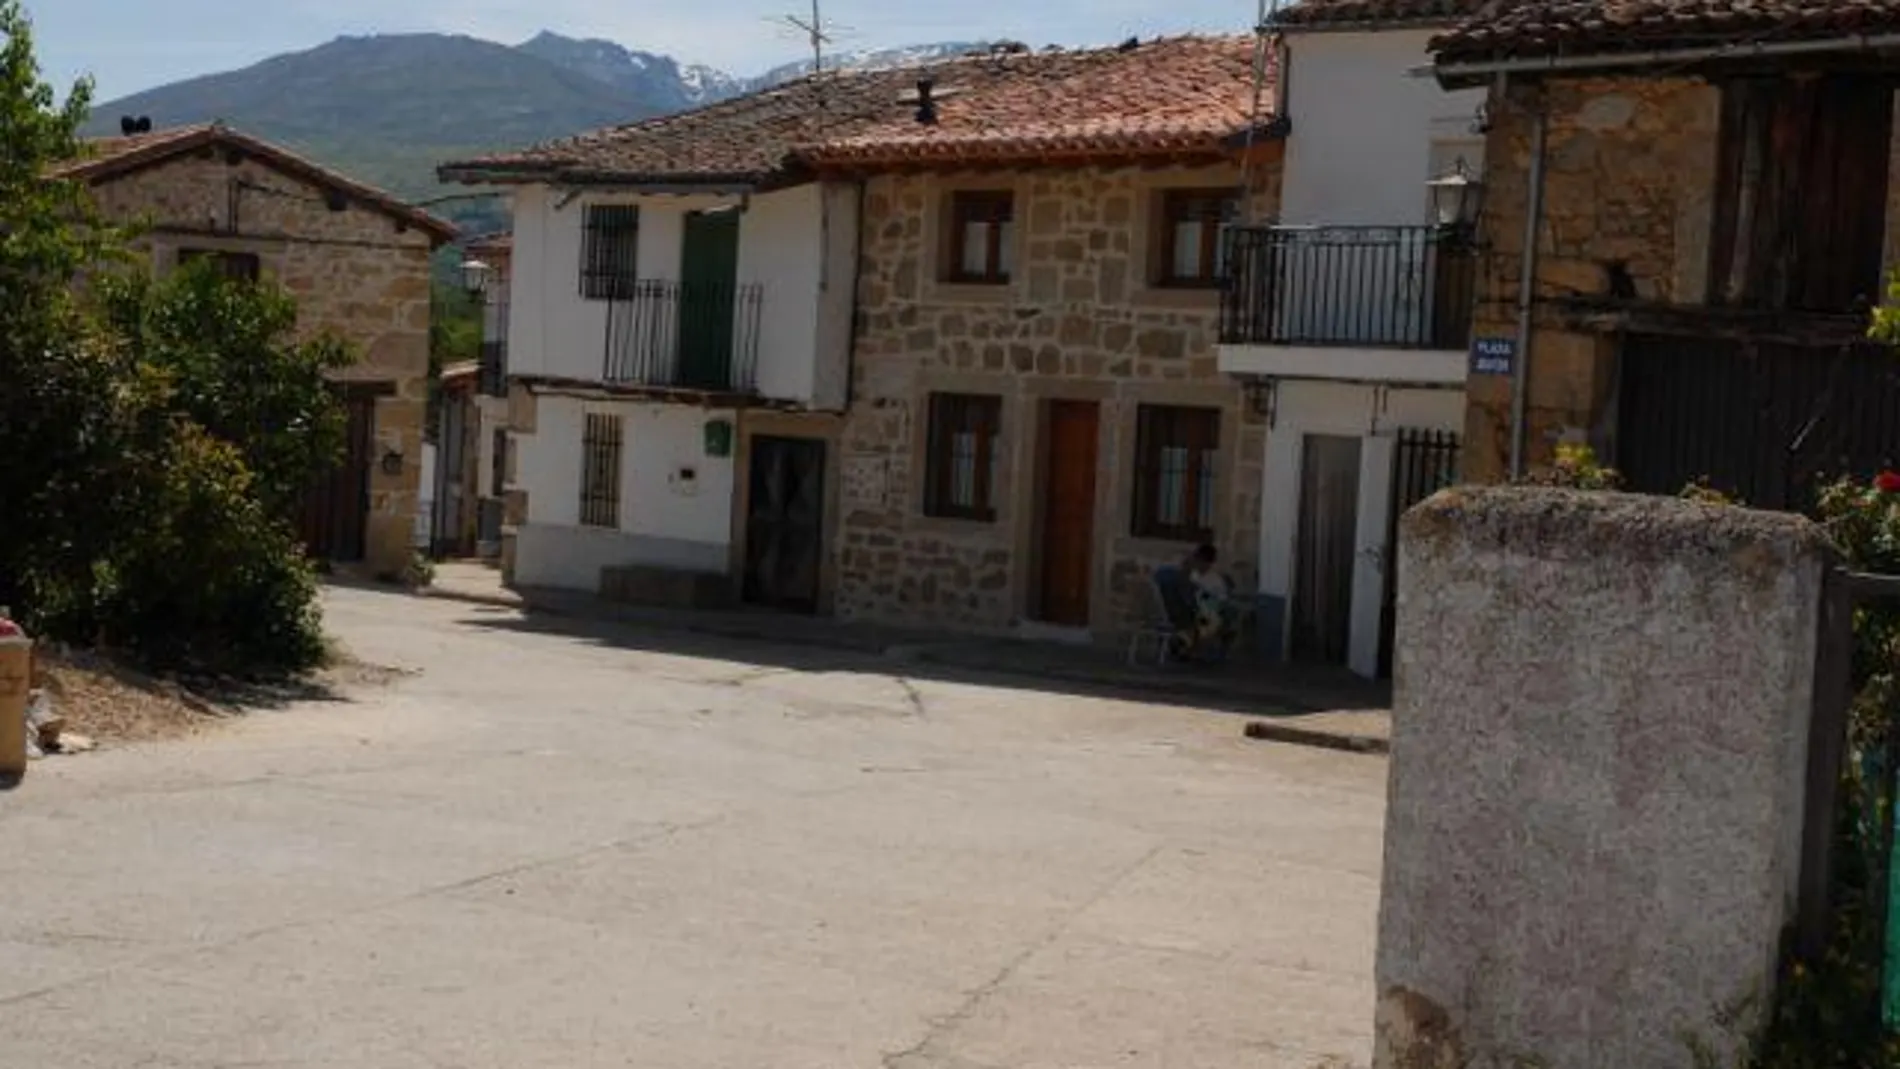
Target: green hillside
(387, 109)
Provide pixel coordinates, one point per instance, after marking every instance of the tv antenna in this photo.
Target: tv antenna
(815, 30)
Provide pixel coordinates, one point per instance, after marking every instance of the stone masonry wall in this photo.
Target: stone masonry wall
(1079, 321)
(353, 272)
(1630, 165)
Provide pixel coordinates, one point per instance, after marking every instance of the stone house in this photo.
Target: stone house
(1349, 314)
(355, 258)
(1037, 421)
(772, 284)
(1708, 195)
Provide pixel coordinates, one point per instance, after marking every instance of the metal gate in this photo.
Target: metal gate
(1853, 771)
(1767, 424)
(1423, 463)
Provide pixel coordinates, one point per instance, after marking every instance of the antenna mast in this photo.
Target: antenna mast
(1262, 69)
(814, 31)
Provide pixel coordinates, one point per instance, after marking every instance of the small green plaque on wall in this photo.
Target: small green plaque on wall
(719, 438)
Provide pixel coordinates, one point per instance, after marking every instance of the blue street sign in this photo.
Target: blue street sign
(1493, 356)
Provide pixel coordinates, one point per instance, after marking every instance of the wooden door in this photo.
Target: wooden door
(709, 271)
(785, 522)
(336, 509)
(1068, 523)
(1327, 548)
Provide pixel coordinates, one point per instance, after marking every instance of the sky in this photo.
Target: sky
(130, 45)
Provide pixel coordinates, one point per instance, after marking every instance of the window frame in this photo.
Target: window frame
(610, 252)
(997, 209)
(603, 452)
(949, 414)
(1197, 429)
(1175, 209)
(249, 266)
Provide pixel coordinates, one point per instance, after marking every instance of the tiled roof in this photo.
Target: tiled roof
(1166, 97)
(107, 158)
(1539, 28)
(1374, 14)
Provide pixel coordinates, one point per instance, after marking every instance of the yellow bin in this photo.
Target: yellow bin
(16, 678)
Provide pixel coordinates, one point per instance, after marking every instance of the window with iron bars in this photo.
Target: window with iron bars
(600, 471)
(610, 252)
(1175, 450)
(964, 454)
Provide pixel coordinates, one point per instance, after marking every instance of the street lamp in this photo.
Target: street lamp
(1456, 196)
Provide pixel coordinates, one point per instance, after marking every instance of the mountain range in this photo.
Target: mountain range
(388, 108)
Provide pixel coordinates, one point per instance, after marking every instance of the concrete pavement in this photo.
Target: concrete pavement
(597, 846)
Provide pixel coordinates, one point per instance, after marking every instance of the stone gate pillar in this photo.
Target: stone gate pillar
(1598, 757)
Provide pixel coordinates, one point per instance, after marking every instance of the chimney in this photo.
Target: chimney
(926, 104)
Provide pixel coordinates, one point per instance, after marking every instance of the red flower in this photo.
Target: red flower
(1888, 482)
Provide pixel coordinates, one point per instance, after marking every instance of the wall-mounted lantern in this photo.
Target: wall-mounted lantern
(476, 276)
(1457, 196)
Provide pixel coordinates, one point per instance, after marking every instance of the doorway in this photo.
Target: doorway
(785, 519)
(1068, 519)
(335, 511)
(1324, 552)
(709, 272)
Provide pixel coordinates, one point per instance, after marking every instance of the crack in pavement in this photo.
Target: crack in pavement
(975, 998)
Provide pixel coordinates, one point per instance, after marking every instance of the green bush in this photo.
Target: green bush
(216, 583)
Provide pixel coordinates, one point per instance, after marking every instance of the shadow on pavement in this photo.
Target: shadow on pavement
(810, 645)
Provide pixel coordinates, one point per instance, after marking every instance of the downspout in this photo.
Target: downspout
(1527, 281)
(851, 338)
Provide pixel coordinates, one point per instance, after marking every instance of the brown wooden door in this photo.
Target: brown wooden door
(1068, 525)
(336, 510)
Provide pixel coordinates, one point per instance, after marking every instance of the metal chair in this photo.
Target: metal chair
(1162, 629)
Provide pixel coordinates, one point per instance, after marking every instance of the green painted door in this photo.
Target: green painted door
(709, 272)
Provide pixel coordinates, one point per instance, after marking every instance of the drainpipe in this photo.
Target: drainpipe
(851, 336)
(1526, 283)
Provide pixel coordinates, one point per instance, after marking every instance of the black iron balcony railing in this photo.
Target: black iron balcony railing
(685, 335)
(1400, 287)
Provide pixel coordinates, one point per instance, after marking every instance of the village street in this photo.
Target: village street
(551, 844)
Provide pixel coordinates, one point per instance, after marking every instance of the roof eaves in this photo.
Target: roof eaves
(161, 148)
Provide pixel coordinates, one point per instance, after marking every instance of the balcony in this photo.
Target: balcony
(685, 336)
(1362, 287)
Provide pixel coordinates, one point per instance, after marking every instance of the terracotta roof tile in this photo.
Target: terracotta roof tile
(1374, 14)
(109, 157)
(1174, 95)
(1539, 28)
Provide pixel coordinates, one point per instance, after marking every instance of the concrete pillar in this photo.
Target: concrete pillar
(1599, 736)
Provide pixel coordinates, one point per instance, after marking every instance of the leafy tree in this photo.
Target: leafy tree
(225, 353)
(68, 409)
(129, 511)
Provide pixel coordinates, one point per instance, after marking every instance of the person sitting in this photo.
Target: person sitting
(1216, 616)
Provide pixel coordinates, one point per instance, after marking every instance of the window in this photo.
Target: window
(610, 253)
(600, 471)
(964, 453)
(1191, 245)
(982, 237)
(1800, 193)
(1175, 449)
(236, 266)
